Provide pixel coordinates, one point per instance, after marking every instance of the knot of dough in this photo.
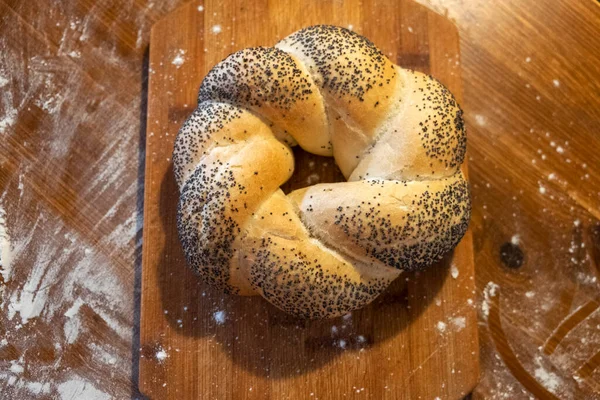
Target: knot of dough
(322, 251)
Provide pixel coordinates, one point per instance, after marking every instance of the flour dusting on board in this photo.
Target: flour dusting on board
(179, 58)
(488, 293)
(5, 248)
(219, 317)
(78, 388)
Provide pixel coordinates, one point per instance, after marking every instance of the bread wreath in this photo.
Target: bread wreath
(397, 136)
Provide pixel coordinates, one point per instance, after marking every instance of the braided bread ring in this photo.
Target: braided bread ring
(322, 251)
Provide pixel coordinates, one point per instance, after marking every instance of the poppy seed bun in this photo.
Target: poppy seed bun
(322, 251)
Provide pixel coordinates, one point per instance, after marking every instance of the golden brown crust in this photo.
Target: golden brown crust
(397, 135)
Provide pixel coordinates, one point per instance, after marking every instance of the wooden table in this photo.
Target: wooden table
(72, 84)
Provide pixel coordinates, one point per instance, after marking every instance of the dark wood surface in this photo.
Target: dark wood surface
(71, 184)
(418, 340)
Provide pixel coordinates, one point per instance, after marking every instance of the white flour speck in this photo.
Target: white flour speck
(350, 27)
(200, 8)
(410, 29)
(515, 239)
(530, 294)
(481, 120)
(161, 355)
(73, 323)
(79, 388)
(556, 82)
(551, 176)
(179, 59)
(3, 81)
(576, 222)
(542, 189)
(312, 179)
(488, 293)
(16, 368)
(560, 150)
(528, 59)
(441, 326)
(454, 271)
(459, 323)
(216, 29)
(6, 255)
(549, 380)
(219, 317)
(8, 120)
(342, 344)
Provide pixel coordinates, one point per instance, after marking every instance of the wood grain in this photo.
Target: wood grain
(392, 349)
(71, 186)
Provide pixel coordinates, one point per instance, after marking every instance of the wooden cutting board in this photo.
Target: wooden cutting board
(417, 341)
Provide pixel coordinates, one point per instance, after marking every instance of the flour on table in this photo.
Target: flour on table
(5, 248)
(312, 179)
(481, 120)
(454, 271)
(459, 323)
(78, 388)
(73, 323)
(515, 239)
(216, 29)
(549, 380)
(441, 326)
(8, 120)
(179, 59)
(219, 317)
(488, 293)
(161, 355)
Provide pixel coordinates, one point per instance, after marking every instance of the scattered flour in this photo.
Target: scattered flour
(481, 120)
(459, 323)
(556, 82)
(530, 294)
(542, 189)
(350, 27)
(342, 344)
(161, 355)
(219, 317)
(6, 256)
(78, 388)
(312, 179)
(3, 81)
(549, 380)
(73, 323)
(8, 120)
(179, 59)
(454, 271)
(528, 59)
(16, 368)
(441, 326)
(200, 8)
(216, 29)
(515, 239)
(488, 293)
